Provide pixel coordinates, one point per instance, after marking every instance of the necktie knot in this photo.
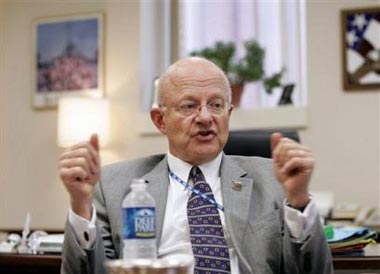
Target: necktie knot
(196, 174)
(199, 181)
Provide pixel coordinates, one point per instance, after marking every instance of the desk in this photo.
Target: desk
(11, 263)
(369, 263)
(49, 264)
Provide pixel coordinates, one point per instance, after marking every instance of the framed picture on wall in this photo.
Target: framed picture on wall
(67, 58)
(361, 48)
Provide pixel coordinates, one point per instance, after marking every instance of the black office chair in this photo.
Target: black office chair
(254, 142)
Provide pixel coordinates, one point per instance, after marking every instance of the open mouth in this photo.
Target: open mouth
(205, 135)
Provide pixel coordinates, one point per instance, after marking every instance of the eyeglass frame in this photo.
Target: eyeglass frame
(197, 108)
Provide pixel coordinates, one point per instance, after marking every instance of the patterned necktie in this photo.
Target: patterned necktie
(206, 233)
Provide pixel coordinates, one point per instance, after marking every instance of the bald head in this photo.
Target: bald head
(196, 70)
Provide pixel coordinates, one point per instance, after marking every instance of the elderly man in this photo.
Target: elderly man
(268, 224)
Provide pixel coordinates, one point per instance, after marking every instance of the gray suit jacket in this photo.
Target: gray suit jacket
(254, 218)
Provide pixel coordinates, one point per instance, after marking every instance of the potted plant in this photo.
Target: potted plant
(249, 68)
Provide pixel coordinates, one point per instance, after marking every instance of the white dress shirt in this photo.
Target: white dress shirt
(175, 239)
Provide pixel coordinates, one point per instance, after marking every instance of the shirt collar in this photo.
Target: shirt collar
(182, 169)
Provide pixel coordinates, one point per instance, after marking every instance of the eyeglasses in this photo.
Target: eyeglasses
(216, 107)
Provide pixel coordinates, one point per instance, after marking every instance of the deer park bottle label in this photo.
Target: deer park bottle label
(140, 222)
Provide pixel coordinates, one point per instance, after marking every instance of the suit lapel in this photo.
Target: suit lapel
(158, 183)
(236, 193)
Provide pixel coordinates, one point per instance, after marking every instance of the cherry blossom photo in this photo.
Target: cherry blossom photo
(68, 58)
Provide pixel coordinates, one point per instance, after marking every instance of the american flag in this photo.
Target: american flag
(363, 47)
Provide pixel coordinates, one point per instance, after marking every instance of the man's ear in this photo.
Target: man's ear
(230, 110)
(157, 117)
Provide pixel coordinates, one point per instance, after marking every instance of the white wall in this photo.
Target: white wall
(343, 128)
(2, 190)
(29, 177)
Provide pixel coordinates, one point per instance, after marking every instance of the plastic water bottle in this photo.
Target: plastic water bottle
(139, 223)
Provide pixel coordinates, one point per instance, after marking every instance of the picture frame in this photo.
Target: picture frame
(361, 48)
(67, 58)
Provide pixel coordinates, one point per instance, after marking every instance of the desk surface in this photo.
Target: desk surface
(43, 264)
(370, 259)
(11, 263)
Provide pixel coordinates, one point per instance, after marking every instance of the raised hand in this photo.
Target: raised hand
(293, 165)
(79, 169)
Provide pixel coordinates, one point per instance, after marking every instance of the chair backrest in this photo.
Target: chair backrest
(254, 142)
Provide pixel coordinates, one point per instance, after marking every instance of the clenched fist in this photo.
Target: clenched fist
(293, 165)
(79, 169)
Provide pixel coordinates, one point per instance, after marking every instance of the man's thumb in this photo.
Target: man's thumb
(94, 141)
(274, 140)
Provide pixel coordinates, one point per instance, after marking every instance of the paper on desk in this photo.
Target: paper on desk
(343, 233)
(7, 247)
(55, 239)
(51, 243)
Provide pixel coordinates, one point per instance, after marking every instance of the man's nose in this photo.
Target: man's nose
(204, 114)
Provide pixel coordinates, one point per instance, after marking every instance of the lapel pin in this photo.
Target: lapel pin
(237, 185)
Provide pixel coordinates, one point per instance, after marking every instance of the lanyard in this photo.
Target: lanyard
(195, 191)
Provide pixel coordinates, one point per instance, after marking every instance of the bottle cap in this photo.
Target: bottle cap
(138, 183)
